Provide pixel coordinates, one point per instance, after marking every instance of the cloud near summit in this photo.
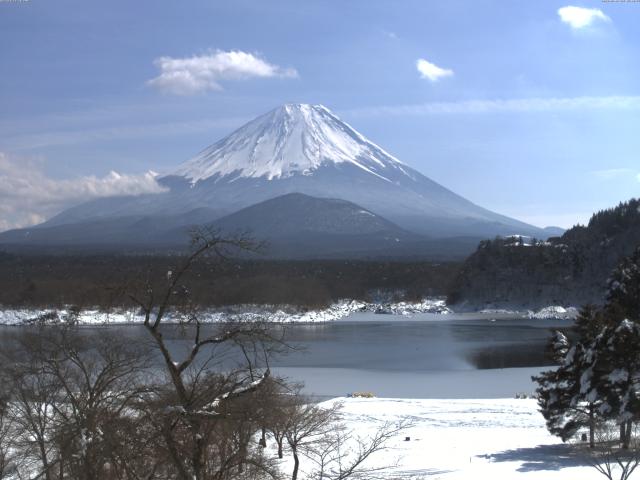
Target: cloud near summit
(28, 196)
(202, 73)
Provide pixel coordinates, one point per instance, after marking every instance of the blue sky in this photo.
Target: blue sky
(525, 107)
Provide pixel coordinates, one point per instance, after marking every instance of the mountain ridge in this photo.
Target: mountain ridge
(300, 148)
(294, 226)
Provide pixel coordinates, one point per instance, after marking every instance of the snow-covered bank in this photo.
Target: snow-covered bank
(463, 439)
(553, 311)
(276, 314)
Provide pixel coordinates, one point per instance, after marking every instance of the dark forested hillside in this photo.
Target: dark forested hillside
(571, 269)
(98, 280)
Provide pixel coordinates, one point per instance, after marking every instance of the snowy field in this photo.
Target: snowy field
(466, 439)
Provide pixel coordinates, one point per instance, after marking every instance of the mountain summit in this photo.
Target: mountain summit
(307, 149)
(294, 139)
(293, 149)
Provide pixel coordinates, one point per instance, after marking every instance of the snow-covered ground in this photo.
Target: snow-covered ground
(466, 439)
(552, 311)
(278, 314)
(282, 314)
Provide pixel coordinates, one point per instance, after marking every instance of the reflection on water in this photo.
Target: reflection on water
(430, 356)
(421, 357)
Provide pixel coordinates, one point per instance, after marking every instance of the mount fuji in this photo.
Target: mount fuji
(296, 148)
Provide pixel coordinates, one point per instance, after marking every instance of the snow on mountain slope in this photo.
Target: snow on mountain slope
(300, 148)
(308, 149)
(292, 139)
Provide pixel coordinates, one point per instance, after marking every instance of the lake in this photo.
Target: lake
(422, 356)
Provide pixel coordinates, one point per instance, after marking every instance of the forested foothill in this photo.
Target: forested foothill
(568, 270)
(48, 281)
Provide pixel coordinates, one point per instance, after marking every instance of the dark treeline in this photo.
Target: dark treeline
(31, 280)
(571, 269)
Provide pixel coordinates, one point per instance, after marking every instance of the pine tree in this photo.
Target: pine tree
(623, 299)
(561, 394)
(599, 376)
(616, 362)
(589, 323)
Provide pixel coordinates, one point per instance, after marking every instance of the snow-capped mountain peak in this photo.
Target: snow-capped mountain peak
(299, 149)
(293, 139)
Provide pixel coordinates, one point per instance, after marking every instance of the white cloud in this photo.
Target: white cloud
(580, 17)
(201, 73)
(507, 106)
(431, 71)
(28, 196)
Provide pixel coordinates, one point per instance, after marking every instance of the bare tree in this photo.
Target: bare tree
(94, 406)
(206, 435)
(72, 404)
(7, 446)
(34, 397)
(610, 458)
(307, 425)
(344, 455)
(317, 433)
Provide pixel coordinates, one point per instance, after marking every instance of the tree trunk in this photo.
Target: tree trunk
(243, 455)
(627, 436)
(43, 457)
(623, 436)
(296, 465)
(280, 455)
(196, 456)
(592, 427)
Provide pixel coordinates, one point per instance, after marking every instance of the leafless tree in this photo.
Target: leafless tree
(7, 446)
(72, 404)
(316, 433)
(608, 456)
(205, 430)
(307, 426)
(345, 455)
(78, 405)
(34, 396)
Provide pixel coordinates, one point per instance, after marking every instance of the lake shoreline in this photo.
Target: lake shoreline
(278, 313)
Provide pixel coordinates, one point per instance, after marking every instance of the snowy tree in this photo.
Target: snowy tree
(562, 396)
(589, 323)
(598, 376)
(623, 299)
(616, 375)
(567, 395)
